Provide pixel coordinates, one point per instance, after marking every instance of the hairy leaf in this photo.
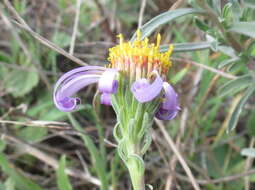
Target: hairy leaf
(246, 28)
(163, 18)
(183, 47)
(238, 109)
(235, 86)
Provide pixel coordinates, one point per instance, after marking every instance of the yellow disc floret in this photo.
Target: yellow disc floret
(140, 58)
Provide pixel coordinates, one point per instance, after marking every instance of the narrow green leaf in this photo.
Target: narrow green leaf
(227, 50)
(250, 3)
(246, 28)
(163, 18)
(183, 47)
(62, 179)
(226, 10)
(116, 169)
(251, 123)
(250, 152)
(179, 76)
(214, 42)
(21, 181)
(236, 10)
(235, 86)
(227, 62)
(98, 160)
(216, 5)
(9, 184)
(238, 109)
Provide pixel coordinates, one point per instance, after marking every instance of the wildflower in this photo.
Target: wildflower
(136, 67)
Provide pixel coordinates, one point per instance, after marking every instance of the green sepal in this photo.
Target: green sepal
(145, 125)
(147, 142)
(131, 129)
(116, 132)
(121, 150)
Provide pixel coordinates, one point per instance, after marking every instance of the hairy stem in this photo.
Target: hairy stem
(135, 171)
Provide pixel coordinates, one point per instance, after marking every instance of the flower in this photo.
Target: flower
(141, 66)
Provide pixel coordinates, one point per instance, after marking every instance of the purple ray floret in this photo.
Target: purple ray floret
(73, 81)
(108, 83)
(106, 99)
(170, 106)
(145, 92)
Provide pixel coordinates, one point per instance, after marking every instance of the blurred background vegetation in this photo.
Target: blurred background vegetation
(213, 72)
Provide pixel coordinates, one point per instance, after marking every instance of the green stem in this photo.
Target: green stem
(137, 178)
(136, 173)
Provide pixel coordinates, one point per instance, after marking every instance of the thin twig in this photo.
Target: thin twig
(178, 155)
(75, 27)
(83, 163)
(173, 161)
(219, 72)
(219, 180)
(51, 45)
(176, 5)
(22, 24)
(142, 9)
(46, 124)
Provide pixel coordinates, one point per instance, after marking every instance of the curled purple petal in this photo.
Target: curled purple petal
(170, 106)
(107, 82)
(71, 82)
(80, 71)
(106, 99)
(145, 92)
(171, 98)
(163, 114)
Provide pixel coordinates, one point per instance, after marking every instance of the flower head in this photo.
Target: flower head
(140, 58)
(136, 69)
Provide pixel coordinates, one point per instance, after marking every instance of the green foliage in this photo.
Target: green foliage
(21, 182)
(238, 109)
(179, 76)
(201, 25)
(2, 145)
(20, 83)
(236, 85)
(20, 6)
(246, 28)
(9, 184)
(62, 178)
(217, 34)
(251, 124)
(99, 163)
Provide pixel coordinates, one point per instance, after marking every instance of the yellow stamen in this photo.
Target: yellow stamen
(140, 56)
(158, 40)
(138, 35)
